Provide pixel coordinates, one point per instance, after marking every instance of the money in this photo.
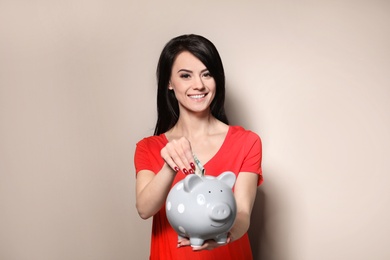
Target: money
(199, 167)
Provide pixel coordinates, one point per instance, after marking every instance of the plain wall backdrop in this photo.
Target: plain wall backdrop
(78, 90)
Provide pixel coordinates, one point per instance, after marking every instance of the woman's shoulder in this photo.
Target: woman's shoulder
(239, 131)
(244, 137)
(153, 140)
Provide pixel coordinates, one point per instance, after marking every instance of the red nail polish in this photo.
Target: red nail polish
(185, 171)
(176, 169)
(192, 166)
(191, 171)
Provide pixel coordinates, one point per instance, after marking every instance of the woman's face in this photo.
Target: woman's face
(192, 83)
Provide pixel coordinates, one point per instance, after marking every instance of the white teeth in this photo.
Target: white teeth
(197, 96)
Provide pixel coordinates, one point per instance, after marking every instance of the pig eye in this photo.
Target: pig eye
(209, 191)
(221, 191)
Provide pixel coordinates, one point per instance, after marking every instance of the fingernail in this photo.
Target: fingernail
(185, 171)
(192, 166)
(176, 169)
(191, 171)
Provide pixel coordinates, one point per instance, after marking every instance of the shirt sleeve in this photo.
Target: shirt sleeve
(252, 161)
(141, 157)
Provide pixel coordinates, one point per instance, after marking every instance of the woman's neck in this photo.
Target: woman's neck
(195, 126)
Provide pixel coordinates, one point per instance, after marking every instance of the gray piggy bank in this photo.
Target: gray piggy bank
(202, 208)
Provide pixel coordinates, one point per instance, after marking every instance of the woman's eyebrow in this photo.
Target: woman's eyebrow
(190, 71)
(184, 70)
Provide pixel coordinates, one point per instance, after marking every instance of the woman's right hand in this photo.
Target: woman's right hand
(178, 155)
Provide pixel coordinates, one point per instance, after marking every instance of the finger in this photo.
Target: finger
(202, 247)
(173, 155)
(208, 245)
(176, 153)
(229, 238)
(181, 153)
(183, 242)
(187, 154)
(189, 157)
(172, 164)
(168, 159)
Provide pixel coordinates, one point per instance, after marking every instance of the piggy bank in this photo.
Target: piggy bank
(202, 208)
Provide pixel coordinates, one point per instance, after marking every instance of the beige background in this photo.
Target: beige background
(77, 91)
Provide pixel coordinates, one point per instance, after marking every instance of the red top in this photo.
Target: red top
(240, 152)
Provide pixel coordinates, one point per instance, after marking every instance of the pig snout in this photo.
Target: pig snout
(220, 212)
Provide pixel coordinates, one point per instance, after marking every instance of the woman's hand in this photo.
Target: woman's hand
(178, 155)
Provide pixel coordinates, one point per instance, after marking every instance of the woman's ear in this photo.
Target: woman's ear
(170, 86)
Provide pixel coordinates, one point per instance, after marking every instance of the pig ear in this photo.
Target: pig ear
(227, 177)
(191, 181)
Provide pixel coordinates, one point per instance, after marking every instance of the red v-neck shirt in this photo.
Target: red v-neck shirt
(241, 151)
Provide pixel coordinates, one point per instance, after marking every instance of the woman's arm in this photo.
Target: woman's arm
(152, 190)
(245, 191)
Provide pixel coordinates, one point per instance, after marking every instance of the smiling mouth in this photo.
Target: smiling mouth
(217, 226)
(197, 96)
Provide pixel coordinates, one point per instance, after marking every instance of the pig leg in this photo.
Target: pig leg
(221, 239)
(196, 242)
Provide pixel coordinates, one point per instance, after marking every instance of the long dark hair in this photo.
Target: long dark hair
(206, 52)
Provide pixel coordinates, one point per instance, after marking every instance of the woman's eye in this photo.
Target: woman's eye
(207, 75)
(185, 76)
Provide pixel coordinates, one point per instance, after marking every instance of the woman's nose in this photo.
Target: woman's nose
(199, 84)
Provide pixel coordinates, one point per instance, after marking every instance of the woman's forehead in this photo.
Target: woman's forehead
(188, 61)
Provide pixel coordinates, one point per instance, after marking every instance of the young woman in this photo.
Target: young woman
(191, 120)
